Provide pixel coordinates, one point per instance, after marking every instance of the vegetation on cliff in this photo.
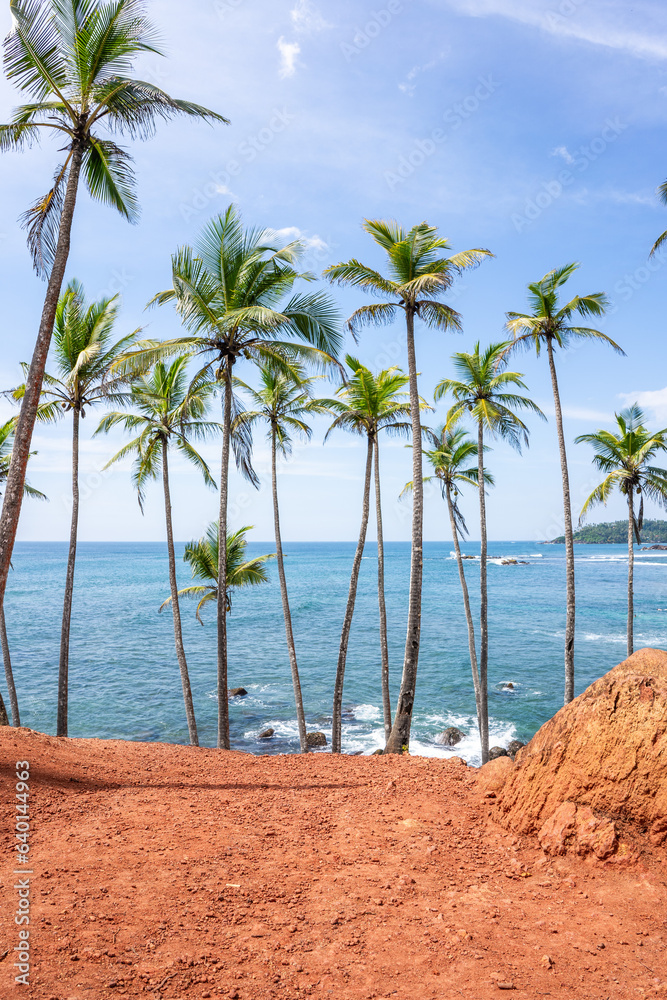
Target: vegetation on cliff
(616, 533)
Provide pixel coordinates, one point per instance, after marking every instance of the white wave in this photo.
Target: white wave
(366, 713)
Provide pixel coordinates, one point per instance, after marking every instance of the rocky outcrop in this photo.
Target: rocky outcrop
(316, 739)
(602, 757)
(266, 735)
(237, 692)
(449, 738)
(496, 752)
(513, 747)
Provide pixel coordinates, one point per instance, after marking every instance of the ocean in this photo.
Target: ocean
(124, 679)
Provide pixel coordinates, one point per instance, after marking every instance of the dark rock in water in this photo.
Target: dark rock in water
(266, 734)
(376, 753)
(316, 739)
(660, 548)
(450, 737)
(496, 752)
(237, 692)
(513, 748)
(354, 753)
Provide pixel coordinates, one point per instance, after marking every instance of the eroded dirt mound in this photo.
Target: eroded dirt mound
(163, 872)
(601, 759)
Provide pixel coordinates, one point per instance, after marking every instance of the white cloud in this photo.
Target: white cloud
(306, 18)
(654, 401)
(564, 153)
(311, 243)
(223, 189)
(288, 56)
(615, 197)
(611, 24)
(407, 86)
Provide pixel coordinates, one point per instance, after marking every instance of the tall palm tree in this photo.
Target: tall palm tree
(449, 459)
(83, 356)
(366, 405)
(230, 293)
(165, 414)
(202, 556)
(73, 60)
(419, 274)
(282, 401)
(7, 431)
(481, 391)
(625, 458)
(551, 325)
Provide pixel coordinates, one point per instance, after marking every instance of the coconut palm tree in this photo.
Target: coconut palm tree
(83, 356)
(166, 415)
(73, 60)
(282, 401)
(552, 325)
(202, 556)
(366, 405)
(7, 431)
(626, 459)
(481, 391)
(230, 292)
(419, 274)
(449, 459)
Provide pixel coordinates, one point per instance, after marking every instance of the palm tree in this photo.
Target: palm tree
(202, 557)
(551, 325)
(625, 458)
(7, 431)
(368, 404)
(165, 414)
(418, 275)
(229, 292)
(480, 390)
(84, 355)
(73, 60)
(282, 402)
(662, 191)
(454, 448)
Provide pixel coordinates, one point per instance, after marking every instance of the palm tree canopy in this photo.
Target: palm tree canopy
(418, 273)
(626, 459)
(480, 390)
(7, 431)
(548, 320)
(83, 353)
(283, 400)
(202, 556)
(369, 403)
(74, 59)
(162, 409)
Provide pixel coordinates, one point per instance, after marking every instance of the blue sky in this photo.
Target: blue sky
(532, 128)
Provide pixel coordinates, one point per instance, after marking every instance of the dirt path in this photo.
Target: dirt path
(164, 871)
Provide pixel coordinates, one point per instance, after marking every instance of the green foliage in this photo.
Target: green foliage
(369, 403)
(616, 533)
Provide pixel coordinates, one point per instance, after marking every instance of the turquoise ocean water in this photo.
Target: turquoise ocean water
(124, 680)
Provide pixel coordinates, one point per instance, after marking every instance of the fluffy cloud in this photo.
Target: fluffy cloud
(288, 56)
(653, 401)
(307, 18)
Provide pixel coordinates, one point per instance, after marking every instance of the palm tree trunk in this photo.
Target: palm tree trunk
(296, 683)
(399, 739)
(175, 607)
(9, 674)
(11, 507)
(569, 537)
(61, 728)
(223, 697)
(349, 610)
(483, 603)
(384, 645)
(631, 574)
(466, 604)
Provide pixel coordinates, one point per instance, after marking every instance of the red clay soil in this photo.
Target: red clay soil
(164, 871)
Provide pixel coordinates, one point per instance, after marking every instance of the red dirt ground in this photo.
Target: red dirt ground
(164, 871)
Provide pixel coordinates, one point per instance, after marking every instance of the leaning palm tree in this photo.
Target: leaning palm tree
(418, 275)
(366, 405)
(282, 401)
(7, 431)
(552, 325)
(230, 292)
(481, 391)
(202, 557)
(73, 60)
(84, 354)
(165, 414)
(449, 459)
(625, 458)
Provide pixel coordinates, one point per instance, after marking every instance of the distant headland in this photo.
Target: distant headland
(615, 533)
